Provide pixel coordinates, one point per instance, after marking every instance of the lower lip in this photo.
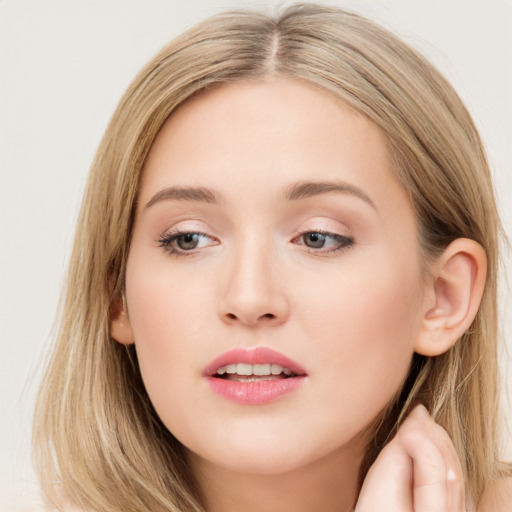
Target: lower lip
(256, 392)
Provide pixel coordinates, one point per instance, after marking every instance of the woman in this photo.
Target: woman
(288, 242)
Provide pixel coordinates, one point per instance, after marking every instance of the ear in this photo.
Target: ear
(120, 328)
(453, 296)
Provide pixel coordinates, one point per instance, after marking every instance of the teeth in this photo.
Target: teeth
(244, 369)
(276, 369)
(230, 368)
(261, 369)
(253, 369)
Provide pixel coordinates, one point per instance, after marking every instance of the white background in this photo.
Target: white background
(64, 65)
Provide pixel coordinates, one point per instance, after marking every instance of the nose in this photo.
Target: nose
(253, 295)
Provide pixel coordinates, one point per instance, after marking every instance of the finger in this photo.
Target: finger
(429, 472)
(387, 486)
(454, 474)
(438, 481)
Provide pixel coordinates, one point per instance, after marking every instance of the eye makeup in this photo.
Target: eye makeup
(323, 242)
(182, 243)
(185, 243)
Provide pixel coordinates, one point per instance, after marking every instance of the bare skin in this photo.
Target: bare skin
(225, 254)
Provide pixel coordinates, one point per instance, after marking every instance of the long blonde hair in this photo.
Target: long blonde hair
(98, 441)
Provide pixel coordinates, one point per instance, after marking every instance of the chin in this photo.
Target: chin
(270, 453)
(255, 461)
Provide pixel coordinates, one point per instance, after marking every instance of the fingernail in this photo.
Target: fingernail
(450, 475)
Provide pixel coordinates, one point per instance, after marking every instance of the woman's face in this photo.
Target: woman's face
(272, 237)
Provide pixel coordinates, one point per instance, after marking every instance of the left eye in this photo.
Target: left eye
(323, 240)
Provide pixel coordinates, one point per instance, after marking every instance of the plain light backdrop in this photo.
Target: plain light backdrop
(64, 65)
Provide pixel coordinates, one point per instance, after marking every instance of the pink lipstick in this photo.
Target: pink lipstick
(253, 377)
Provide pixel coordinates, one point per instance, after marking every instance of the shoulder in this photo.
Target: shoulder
(497, 497)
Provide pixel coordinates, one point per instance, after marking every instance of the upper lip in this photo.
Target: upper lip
(259, 355)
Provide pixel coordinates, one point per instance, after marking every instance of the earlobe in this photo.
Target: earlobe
(120, 327)
(454, 296)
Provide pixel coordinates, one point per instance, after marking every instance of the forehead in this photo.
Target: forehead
(241, 136)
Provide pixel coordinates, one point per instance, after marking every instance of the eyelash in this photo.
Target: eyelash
(344, 242)
(168, 239)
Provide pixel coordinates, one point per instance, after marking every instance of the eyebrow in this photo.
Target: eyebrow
(201, 194)
(306, 189)
(295, 192)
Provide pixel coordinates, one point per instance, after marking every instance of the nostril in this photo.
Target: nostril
(269, 316)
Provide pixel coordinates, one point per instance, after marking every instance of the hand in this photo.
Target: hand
(418, 471)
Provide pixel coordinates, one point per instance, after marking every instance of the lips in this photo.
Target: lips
(255, 376)
(256, 357)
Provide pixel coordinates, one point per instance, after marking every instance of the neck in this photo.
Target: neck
(329, 484)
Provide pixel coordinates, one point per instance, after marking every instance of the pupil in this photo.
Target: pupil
(316, 240)
(188, 241)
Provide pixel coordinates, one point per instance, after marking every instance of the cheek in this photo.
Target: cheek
(366, 326)
(167, 316)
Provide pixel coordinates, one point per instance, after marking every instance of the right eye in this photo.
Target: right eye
(179, 243)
